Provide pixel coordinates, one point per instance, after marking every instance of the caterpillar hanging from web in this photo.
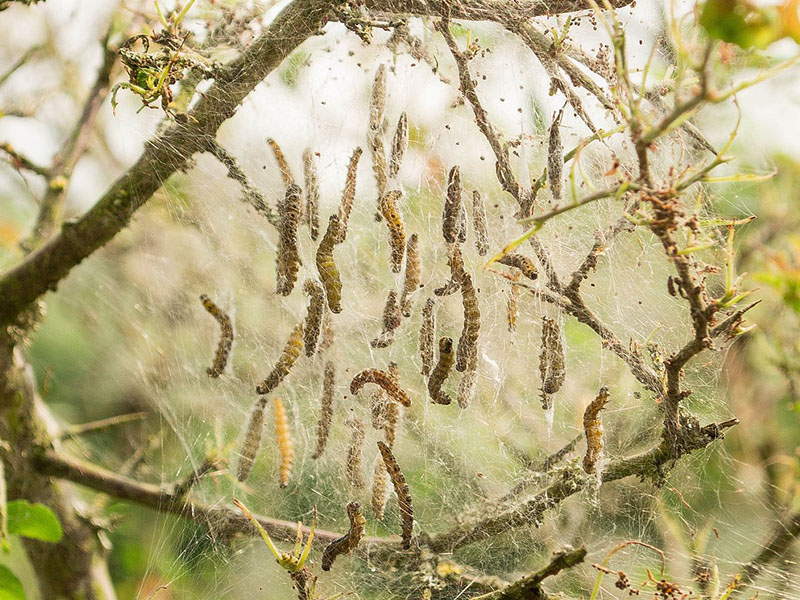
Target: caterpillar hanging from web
(349, 541)
(383, 379)
(326, 409)
(226, 336)
(441, 372)
(397, 231)
(290, 353)
(283, 437)
(326, 265)
(403, 494)
(316, 308)
(288, 258)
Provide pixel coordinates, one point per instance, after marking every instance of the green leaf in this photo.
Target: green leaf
(33, 521)
(10, 586)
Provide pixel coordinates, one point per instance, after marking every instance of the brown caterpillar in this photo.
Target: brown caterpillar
(466, 387)
(456, 263)
(402, 491)
(383, 379)
(480, 224)
(378, 404)
(328, 335)
(283, 165)
(461, 225)
(326, 266)
(288, 259)
(391, 321)
(312, 193)
(555, 158)
(354, 451)
(426, 335)
(412, 274)
(399, 146)
(225, 339)
(451, 213)
(251, 441)
(377, 107)
(467, 352)
(348, 195)
(392, 412)
(513, 306)
(378, 501)
(326, 410)
(349, 541)
(397, 230)
(551, 361)
(441, 372)
(316, 307)
(521, 262)
(593, 429)
(285, 361)
(284, 439)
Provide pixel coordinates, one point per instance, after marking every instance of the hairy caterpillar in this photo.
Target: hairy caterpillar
(328, 336)
(451, 213)
(378, 500)
(288, 259)
(392, 412)
(283, 165)
(379, 402)
(326, 410)
(225, 339)
(441, 372)
(284, 439)
(555, 158)
(285, 361)
(456, 263)
(391, 321)
(348, 195)
(397, 231)
(312, 193)
(461, 225)
(251, 441)
(521, 262)
(513, 308)
(377, 106)
(412, 274)
(426, 335)
(383, 379)
(551, 361)
(316, 307)
(466, 354)
(593, 429)
(354, 451)
(399, 145)
(466, 387)
(480, 224)
(349, 541)
(326, 266)
(402, 491)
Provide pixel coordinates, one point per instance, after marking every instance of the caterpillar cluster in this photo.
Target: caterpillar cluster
(284, 438)
(426, 335)
(593, 430)
(383, 379)
(288, 258)
(290, 353)
(521, 262)
(551, 361)
(403, 493)
(397, 231)
(283, 165)
(326, 409)
(348, 195)
(312, 193)
(399, 146)
(326, 265)
(316, 308)
(555, 158)
(225, 339)
(349, 541)
(354, 452)
(441, 372)
(480, 224)
(412, 276)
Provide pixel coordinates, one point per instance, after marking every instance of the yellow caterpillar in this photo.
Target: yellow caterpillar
(285, 361)
(284, 439)
(225, 339)
(326, 266)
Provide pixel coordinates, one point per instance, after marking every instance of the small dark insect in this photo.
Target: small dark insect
(326, 411)
(349, 541)
(316, 308)
(456, 263)
(441, 372)
(283, 165)
(312, 193)
(397, 230)
(383, 379)
(551, 361)
(391, 321)
(399, 146)
(451, 213)
(412, 274)
(226, 336)
(285, 361)
(284, 439)
(480, 224)
(251, 441)
(354, 451)
(593, 429)
(402, 491)
(426, 335)
(521, 262)
(288, 259)
(326, 266)
(467, 351)
(555, 158)
(348, 195)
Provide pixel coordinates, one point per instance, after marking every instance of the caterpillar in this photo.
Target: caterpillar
(377, 106)
(397, 231)
(288, 259)
(402, 491)
(451, 213)
(312, 193)
(251, 441)
(466, 387)
(379, 402)
(461, 225)
(328, 335)
(349, 541)
(354, 452)
(391, 321)
(551, 361)
(348, 195)
(521, 262)
(466, 353)
(285, 361)
(399, 146)
(412, 274)
(392, 412)
(316, 307)
(383, 379)
(441, 372)
(225, 339)
(426, 334)
(326, 410)
(284, 439)
(555, 158)
(456, 263)
(480, 224)
(326, 266)
(593, 429)
(378, 500)
(283, 165)
(513, 306)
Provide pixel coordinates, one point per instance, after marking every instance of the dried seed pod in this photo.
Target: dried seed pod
(326, 410)
(285, 361)
(377, 107)
(469, 380)
(555, 158)
(521, 262)
(288, 259)
(397, 231)
(412, 274)
(326, 266)
(480, 224)
(225, 338)
(391, 321)
(378, 501)
(551, 361)
(593, 429)
(316, 308)
(456, 263)
(283, 165)
(399, 146)
(383, 379)
(354, 452)
(441, 372)
(349, 541)
(402, 491)
(284, 439)
(426, 335)
(251, 440)
(328, 335)
(451, 213)
(468, 342)
(348, 195)
(312, 192)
